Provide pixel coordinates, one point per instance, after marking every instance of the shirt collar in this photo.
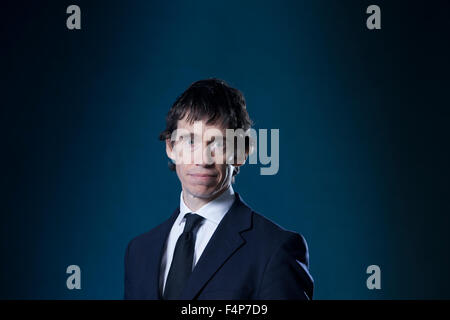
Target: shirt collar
(214, 210)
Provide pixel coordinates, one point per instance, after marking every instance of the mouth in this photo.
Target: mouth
(203, 176)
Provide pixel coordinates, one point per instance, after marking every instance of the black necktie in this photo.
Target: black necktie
(181, 266)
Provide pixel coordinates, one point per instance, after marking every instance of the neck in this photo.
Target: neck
(194, 203)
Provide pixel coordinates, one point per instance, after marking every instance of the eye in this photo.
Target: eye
(219, 145)
(186, 139)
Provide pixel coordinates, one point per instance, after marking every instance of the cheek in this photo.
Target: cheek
(181, 172)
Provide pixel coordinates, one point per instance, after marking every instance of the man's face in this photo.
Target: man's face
(199, 152)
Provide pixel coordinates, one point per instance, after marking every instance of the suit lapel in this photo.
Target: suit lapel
(224, 242)
(156, 253)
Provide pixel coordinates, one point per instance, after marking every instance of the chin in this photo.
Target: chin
(202, 192)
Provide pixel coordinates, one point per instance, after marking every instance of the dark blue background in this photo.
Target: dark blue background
(363, 118)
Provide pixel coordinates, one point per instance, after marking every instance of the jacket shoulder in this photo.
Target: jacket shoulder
(262, 224)
(271, 236)
(143, 240)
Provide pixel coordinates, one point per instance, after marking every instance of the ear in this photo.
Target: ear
(169, 150)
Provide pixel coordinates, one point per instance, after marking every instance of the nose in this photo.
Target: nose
(208, 156)
(205, 156)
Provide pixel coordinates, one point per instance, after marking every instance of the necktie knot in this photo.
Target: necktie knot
(192, 220)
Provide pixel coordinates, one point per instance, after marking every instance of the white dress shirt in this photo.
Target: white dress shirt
(212, 212)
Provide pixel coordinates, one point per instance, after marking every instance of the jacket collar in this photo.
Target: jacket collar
(224, 242)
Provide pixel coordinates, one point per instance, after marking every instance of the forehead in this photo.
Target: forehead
(192, 126)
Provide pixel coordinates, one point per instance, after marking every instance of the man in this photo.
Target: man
(214, 246)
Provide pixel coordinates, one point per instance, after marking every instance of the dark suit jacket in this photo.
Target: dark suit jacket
(248, 257)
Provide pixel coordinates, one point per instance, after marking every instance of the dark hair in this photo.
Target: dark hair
(212, 100)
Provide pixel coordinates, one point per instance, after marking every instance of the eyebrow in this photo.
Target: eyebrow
(224, 139)
(212, 138)
(190, 135)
